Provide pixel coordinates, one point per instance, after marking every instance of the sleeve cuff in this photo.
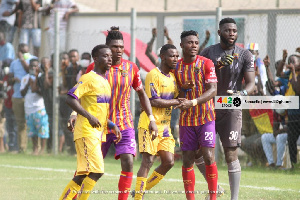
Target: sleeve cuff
(72, 95)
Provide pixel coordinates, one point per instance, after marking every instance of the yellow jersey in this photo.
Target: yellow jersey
(159, 86)
(94, 93)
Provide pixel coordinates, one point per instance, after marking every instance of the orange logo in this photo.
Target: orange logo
(212, 175)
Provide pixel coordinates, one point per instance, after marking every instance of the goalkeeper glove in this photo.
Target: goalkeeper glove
(225, 60)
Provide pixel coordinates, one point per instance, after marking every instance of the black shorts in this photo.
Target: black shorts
(229, 127)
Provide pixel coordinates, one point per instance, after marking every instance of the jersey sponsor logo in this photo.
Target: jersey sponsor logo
(213, 72)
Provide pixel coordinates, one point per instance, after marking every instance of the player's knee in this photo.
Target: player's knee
(209, 160)
(78, 179)
(95, 176)
(147, 163)
(168, 164)
(187, 163)
(126, 162)
(234, 166)
(231, 154)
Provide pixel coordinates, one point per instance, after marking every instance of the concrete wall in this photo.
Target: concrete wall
(85, 30)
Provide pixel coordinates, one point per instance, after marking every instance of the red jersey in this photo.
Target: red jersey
(121, 78)
(201, 71)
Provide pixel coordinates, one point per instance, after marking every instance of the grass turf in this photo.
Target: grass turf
(44, 177)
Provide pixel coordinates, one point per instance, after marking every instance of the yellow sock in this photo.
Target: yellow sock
(153, 180)
(70, 191)
(140, 187)
(86, 188)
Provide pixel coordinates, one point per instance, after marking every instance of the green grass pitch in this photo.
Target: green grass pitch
(28, 177)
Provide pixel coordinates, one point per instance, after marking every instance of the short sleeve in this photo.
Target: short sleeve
(11, 52)
(137, 82)
(83, 87)
(210, 73)
(248, 62)
(152, 86)
(11, 68)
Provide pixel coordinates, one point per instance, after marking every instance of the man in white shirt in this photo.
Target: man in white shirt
(35, 112)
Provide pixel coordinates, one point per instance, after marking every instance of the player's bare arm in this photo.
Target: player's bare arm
(145, 103)
(150, 46)
(269, 73)
(279, 72)
(295, 82)
(116, 131)
(163, 103)
(249, 81)
(75, 105)
(186, 87)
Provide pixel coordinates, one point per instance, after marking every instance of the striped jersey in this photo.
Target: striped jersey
(121, 78)
(94, 93)
(201, 71)
(159, 86)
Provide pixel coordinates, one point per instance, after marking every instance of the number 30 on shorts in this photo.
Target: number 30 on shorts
(209, 136)
(233, 135)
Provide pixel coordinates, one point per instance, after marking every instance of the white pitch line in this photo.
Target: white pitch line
(166, 179)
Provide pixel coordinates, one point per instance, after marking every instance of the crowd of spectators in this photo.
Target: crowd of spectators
(264, 128)
(26, 87)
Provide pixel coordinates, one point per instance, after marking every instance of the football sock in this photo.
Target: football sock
(75, 197)
(140, 187)
(124, 185)
(70, 191)
(201, 166)
(86, 188)
(234, 173)
(212, 180)
(153, 180)
(188, 176)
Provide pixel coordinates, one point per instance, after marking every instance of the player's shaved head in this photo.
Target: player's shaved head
(96, 49)
(113, 34)
(226, 21)
(188, 33)
(165, 48)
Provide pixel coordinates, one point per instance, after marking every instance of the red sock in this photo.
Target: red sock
(75, 197)
(212, 180)
(124, 185)
(188, 176)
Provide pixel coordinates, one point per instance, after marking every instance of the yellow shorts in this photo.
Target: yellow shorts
(146, 144)
(89, 155)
